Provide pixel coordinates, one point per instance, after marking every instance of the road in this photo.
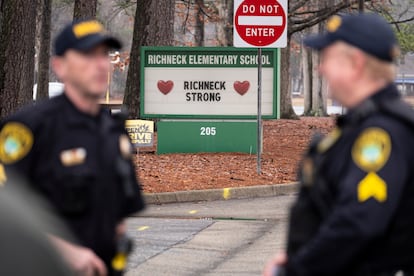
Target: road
(234, 237)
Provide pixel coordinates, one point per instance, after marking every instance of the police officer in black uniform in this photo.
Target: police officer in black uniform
(354, 212)
(25, 250)
(76, 154)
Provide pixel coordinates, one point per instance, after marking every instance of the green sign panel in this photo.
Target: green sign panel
(206, 136)
(179, 57)
(208, 82)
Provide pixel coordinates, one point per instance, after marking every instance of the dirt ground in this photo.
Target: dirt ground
(284, 142)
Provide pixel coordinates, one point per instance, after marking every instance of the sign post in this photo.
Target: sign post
(259, 109)
(260, 24)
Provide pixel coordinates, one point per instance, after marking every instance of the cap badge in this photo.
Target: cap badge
(87, 28)
(334, 23)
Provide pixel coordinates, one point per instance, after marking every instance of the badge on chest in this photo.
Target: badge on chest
(73, 157)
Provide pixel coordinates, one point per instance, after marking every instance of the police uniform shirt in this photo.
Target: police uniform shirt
(80, 163)
(367, 165)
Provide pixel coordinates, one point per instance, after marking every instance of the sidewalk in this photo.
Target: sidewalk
(222, 194)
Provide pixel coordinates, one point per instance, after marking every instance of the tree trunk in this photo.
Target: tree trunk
(286, 110)
(229, 21)
(17, 44)
(318, 106)
(44, 50)
(225, 14)
(316, 84)
(221, 26)
(84, 9)
(324, 91)
(307, 80)
(199, 30)
(154, 23)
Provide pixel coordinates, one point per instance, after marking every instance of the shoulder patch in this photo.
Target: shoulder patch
(16, 140)
(372, 149)
(3, 176)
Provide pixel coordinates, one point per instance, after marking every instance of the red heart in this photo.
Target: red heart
(165, 87)
(241, 87)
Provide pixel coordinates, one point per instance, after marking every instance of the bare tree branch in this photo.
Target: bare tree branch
(299, 21)
(203, 8)
(297, 6)
(402, 21)
(319, 16)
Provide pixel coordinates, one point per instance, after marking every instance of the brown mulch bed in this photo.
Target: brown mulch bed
(284, 142)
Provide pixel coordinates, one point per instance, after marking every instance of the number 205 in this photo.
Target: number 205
(207, 131)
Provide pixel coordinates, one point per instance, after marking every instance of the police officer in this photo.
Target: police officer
(76, 154)
(354, 212)
(25, 250)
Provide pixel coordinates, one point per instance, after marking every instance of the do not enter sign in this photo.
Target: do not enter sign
(260, 23)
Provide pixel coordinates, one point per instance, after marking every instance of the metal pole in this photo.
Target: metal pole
(259, 109)
(361, 5)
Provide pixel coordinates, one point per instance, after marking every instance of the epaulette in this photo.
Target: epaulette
(33, 115)
(399, 110)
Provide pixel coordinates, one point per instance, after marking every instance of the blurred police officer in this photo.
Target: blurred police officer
(25, 249)
(354, 213)
(75, 154)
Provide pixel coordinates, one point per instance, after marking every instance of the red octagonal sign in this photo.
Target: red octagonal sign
(260, 23)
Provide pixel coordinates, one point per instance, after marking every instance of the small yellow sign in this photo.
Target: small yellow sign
(226, 193)
(141, 132)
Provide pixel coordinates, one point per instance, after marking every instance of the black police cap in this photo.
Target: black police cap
(366, 31)
(84, 35)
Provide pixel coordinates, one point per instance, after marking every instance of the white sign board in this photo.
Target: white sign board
(206, 82)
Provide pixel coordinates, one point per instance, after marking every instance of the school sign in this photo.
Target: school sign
(219, 83)
(206, 98)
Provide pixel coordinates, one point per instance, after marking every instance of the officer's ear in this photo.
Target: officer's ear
(359, 61)
(59, 67)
